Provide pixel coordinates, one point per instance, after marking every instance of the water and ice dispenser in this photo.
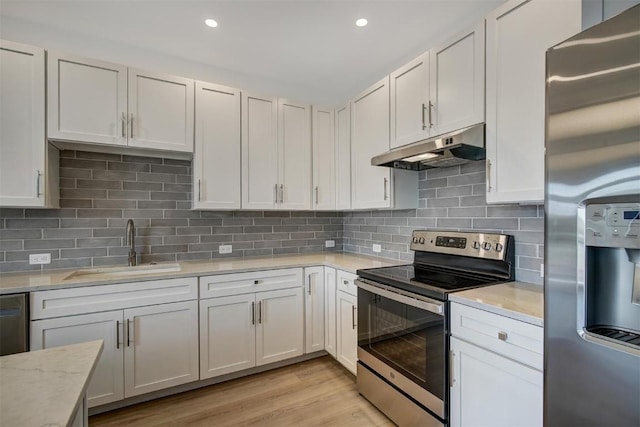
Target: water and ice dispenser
(612, 272)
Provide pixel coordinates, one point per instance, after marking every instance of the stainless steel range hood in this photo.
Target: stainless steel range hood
(454, 148)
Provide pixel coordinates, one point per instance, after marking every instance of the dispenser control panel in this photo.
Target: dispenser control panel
(613, 225)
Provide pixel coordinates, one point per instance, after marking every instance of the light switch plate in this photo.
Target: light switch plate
(377, 248)
(225, 249)
(329, 243)
(40, 259)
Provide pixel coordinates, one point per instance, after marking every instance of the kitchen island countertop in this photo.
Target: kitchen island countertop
(46, 387)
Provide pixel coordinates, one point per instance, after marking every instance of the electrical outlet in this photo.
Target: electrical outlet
(542, 270)
(377, 248)
(225, 249)
(329, 243)
(40, 259)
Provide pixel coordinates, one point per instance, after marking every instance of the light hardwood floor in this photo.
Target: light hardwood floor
(318, 392)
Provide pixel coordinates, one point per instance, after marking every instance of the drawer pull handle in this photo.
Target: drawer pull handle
(502, 336)
(345, 282)
(256, 282)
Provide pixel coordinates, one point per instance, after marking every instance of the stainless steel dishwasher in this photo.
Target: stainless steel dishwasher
(14, 324)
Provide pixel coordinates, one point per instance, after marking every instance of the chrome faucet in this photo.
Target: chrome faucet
(131, 242)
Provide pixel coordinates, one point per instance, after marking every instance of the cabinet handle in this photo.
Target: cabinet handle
(128, 334)
(309, 285)
(131, 125)
(353, 317)
(430, 121)
(345, 282)
(275, 193)
(253, 313)
(451, 377)
(199, 189)
(38, 175)
(424, 125)
(385, 188)
(316, 194)
(502, 336)
(117, 334)
(281, 193)
(488, 176)
(124, 125)
(259, 311)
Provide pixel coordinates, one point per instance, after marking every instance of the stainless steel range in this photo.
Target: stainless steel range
(403, 323)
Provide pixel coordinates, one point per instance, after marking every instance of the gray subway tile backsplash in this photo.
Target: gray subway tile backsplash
(100, 192)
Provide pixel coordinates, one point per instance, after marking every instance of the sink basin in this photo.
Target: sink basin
(114, 272)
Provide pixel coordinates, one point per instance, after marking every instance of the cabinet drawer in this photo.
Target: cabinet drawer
(91, 299)
(346, 282)
(517, 340)
(244, 283)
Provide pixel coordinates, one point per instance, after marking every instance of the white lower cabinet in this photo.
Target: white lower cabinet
(496, 377)
(314, 311)
(347, 330)
(240, 329)
(146, 348)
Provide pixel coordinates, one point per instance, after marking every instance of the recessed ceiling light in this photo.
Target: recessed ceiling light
(361, 22)
(211, 23)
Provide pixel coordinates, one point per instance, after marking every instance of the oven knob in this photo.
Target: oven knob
(476, 245)
(421, 241)
(499, 247)
(415, 240)
(486, 246)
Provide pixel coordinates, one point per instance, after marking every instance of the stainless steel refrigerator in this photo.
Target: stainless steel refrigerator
(592, 227)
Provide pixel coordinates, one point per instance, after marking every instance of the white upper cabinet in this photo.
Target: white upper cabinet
(104, 103)
(294, 155)
(23, 147)
(518, 34)
(259, 152)
(276, 153)
(376, 186)
(216, 159)
(160, 111)
(440, 91)
(409, 107)
(343, 157)
(324, 160)
(370, 137)
(457, 82)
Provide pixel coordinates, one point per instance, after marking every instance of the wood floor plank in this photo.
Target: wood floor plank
(318, 392)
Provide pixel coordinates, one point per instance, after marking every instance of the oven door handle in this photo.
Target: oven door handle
(432, 306)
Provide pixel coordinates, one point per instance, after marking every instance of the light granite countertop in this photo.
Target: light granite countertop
(36, 281)
(46, 387)
(517, 300)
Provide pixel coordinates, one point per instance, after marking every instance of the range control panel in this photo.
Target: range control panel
(613, 225)
(479, 245)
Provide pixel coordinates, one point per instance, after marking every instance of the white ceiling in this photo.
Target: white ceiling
(312, 48)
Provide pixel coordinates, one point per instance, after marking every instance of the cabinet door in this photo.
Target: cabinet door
(518, 35)
(22, 125)
(87, 100)
(343, 157)
(216, 160)
(294, 151)
(279, 332)
(160, 111)
(107, 382)
(491, 390)
(409, 89)
(347, 336)
(227, 335)
(314, 309)
(259, 152)
(161, 347)
(370, 185)
(330, 310)
(324, 160)
(457, 81)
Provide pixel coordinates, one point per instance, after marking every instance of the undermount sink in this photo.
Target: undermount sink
(125, 271)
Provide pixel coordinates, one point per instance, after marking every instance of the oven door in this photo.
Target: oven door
(402, 337)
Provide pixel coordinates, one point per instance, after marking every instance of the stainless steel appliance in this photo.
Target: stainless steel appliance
(14, 324)
(592, 243)
(403, 325)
